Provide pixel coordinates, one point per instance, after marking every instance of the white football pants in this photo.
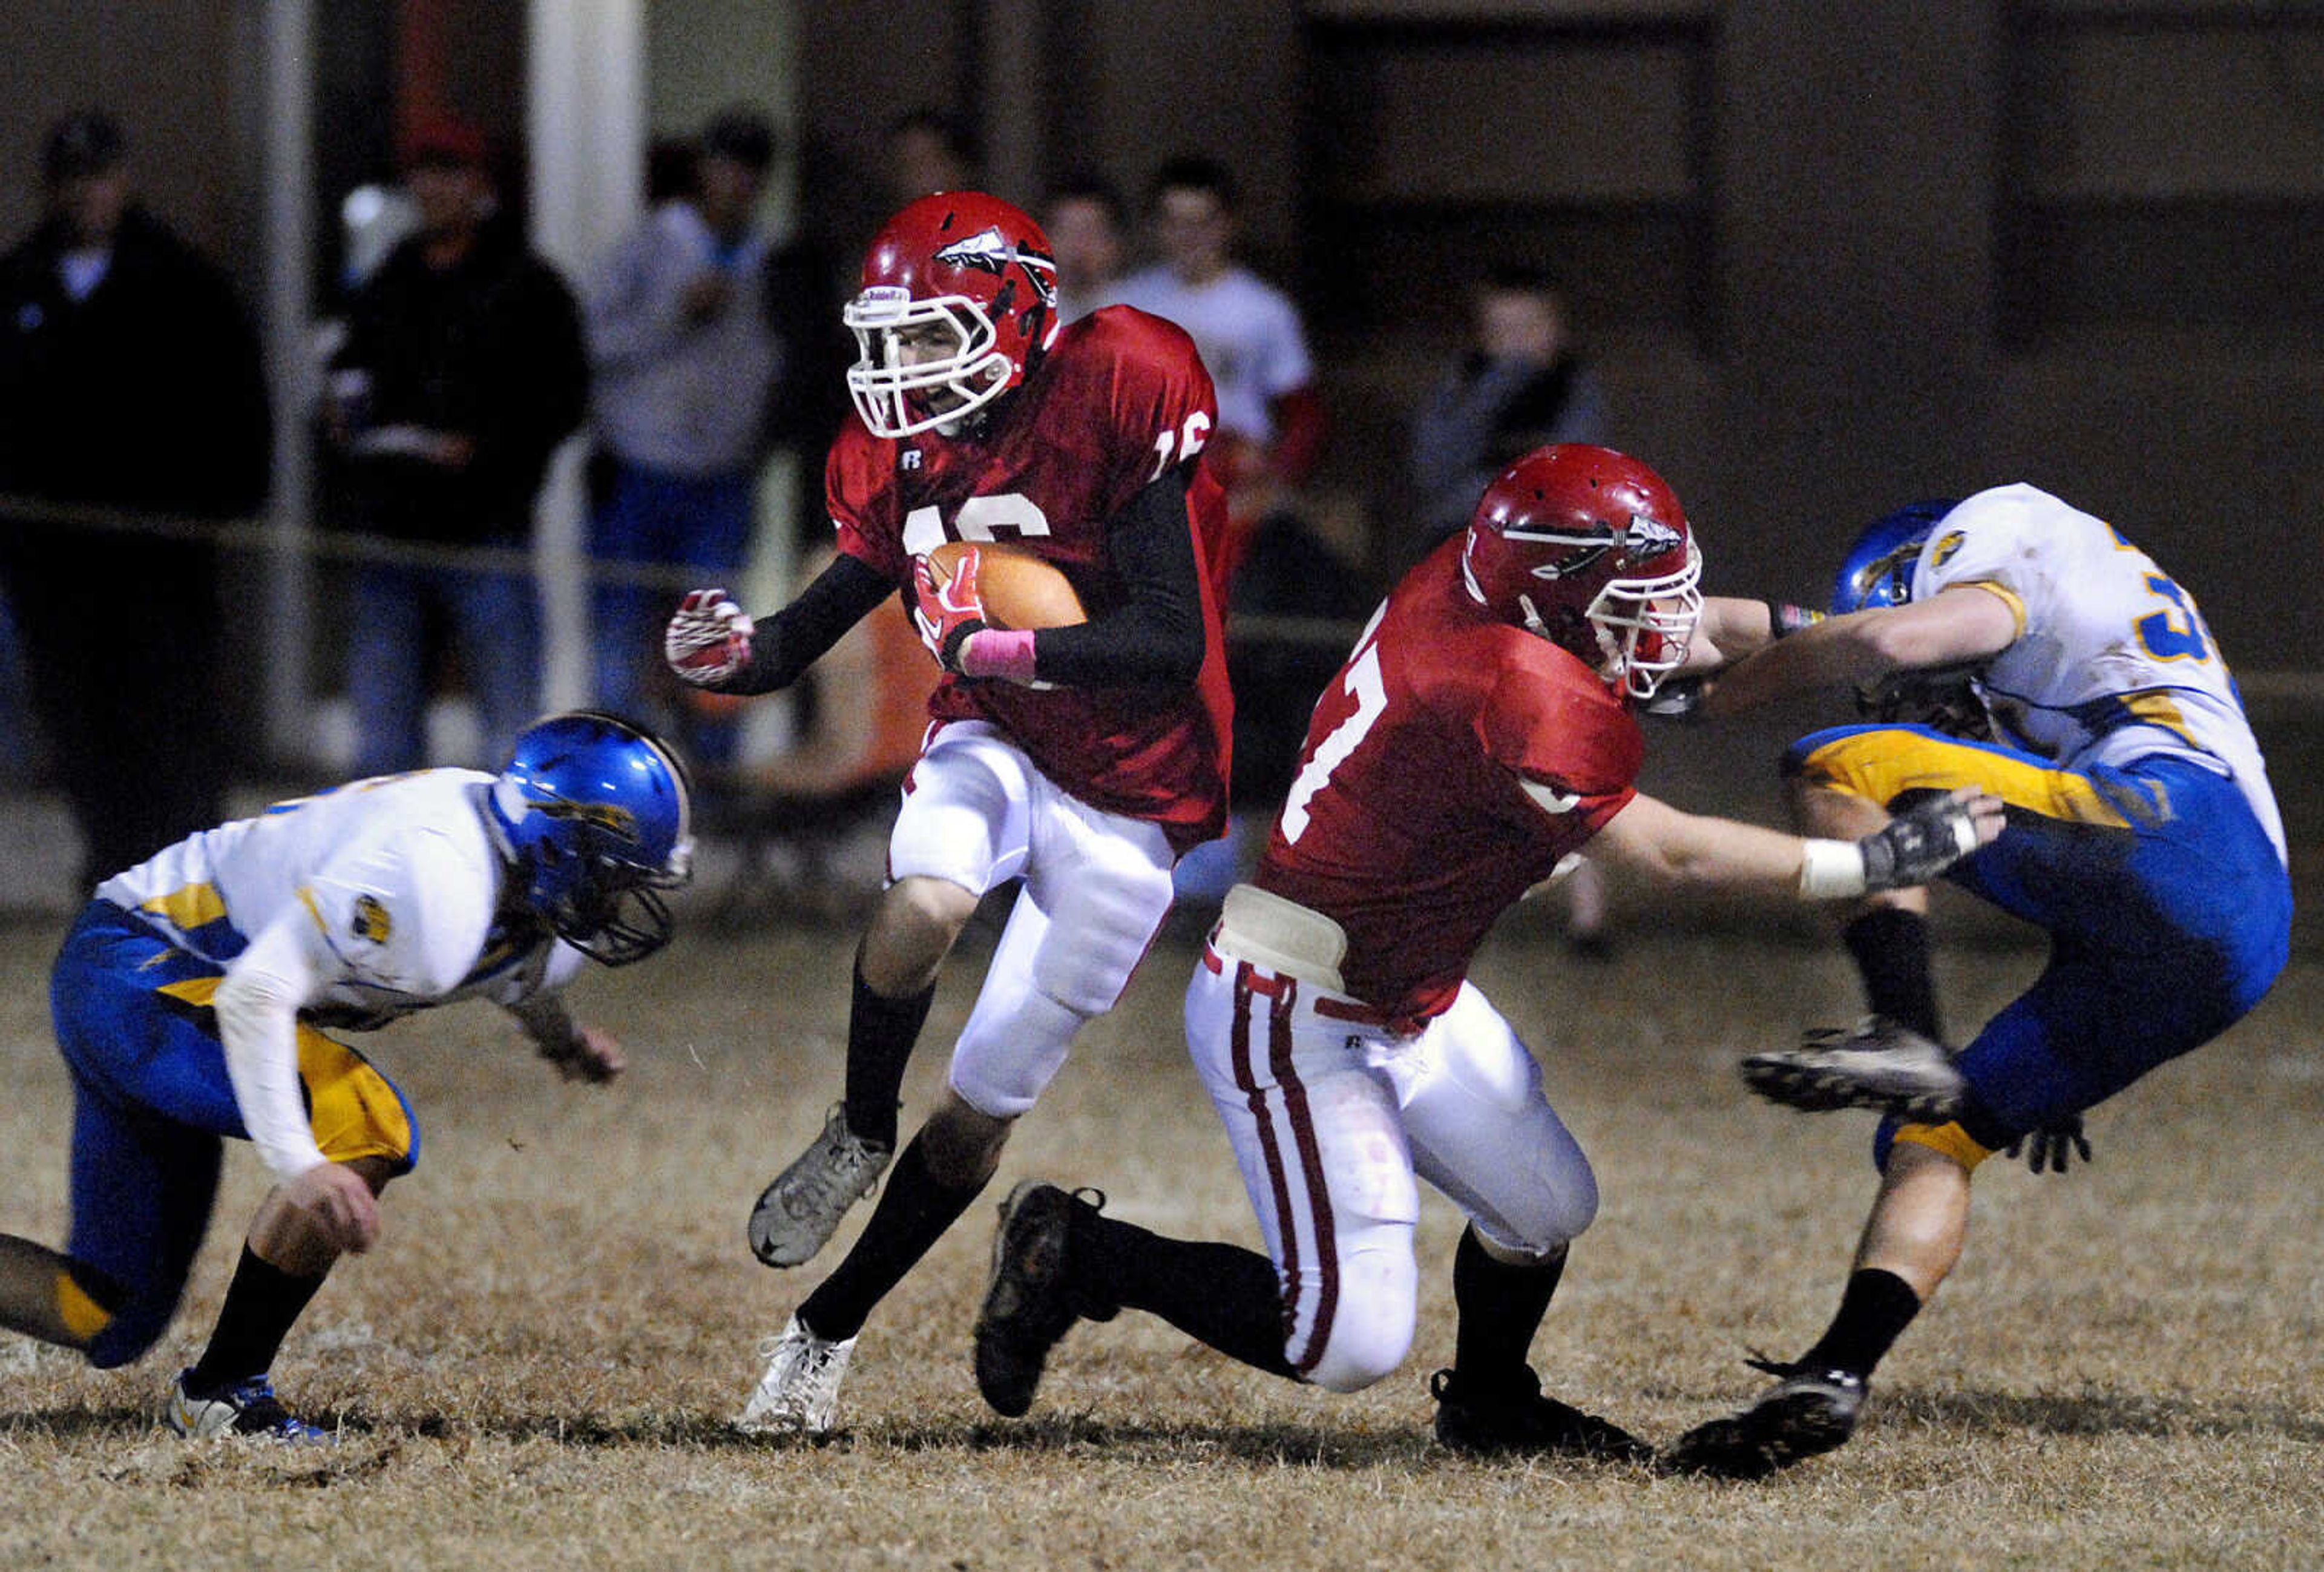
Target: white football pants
(1097, 884)
(1332, 1116)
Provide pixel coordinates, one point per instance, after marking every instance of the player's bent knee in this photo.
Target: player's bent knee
(134, 1328)
(1361, 1350)
(1355, 1318)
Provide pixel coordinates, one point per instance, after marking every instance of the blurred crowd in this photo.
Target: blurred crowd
(700, 346)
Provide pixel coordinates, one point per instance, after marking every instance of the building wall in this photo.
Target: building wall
(166, 70)
(1823, 268)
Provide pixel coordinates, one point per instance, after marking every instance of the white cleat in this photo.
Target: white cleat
(797, 1214)
(248, 1408)
(799, 1394)
(1879, 1064)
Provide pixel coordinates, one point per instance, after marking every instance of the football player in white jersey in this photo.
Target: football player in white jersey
(190, 1002)
(2017, 644)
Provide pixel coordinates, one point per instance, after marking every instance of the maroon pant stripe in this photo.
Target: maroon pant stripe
(1247, 1080)
(1311, 1168)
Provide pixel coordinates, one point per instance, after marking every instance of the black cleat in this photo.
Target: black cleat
(1879, 1064)
(1517, 1419)
(1807, 1412)
(1028, 1301)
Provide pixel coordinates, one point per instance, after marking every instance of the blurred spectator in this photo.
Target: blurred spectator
(1084, 220)
(686, 359)
(462, 371)
(1271, 434)
(1519, 386)
(1271, 424)
(130, 379)
(928, 151)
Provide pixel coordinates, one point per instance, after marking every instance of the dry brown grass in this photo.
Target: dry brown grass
(535, 1368)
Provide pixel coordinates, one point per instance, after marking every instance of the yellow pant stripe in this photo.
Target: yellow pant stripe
(350, 1106)
(353, 1111)
(189, 906)
(1882, 764)
(82, 1315)
(1951, 1140)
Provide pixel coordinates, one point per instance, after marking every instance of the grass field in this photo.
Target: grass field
(535, 1367)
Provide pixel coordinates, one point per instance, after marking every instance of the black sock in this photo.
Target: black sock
(1500, 1307)
(1891, 946)
(880, 1032)
(261, 1305)
(1221, 1295)
(913, 1213)
(1872, 1314)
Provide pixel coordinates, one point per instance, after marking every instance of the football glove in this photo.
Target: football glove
(1922, 841)
(1679, 698)
(947, 613)
(708, 639)
(1944, 698)
(2050, 1147)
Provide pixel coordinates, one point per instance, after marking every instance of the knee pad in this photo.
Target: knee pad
(1371, 1323)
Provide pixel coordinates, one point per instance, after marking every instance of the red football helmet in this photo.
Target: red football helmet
(959, 299)
(1590, 549)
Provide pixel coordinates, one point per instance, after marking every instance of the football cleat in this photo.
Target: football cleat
(797, 1214)
(1808, 1411)
(1028, 1302)
(1517, 1419)
(247, 1408)
(1879, 1064)
(799, 1392)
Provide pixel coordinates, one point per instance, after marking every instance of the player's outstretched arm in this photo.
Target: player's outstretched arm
(1960, 624)
(710, 642)
(1651, 839)
(579, 1052)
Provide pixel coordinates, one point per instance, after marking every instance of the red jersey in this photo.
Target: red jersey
(1409, 824)
(1117, 400)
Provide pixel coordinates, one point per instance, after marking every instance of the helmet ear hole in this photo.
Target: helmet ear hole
(590, 808)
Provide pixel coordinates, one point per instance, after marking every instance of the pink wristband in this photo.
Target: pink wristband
(994, 652)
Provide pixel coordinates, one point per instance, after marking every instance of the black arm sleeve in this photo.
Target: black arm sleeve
(788, 642)
(1155, 637)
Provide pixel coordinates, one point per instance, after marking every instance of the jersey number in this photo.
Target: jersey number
(2176, 634)
(1182, 443)
(1363, 683)
(978, 519)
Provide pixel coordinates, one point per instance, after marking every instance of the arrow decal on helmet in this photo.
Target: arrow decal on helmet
(988, 251)
(1648, 537)
(610, 817)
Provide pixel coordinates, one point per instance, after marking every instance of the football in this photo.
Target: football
(1019, 590)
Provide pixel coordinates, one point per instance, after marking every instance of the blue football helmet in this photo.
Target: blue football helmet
(1878, 571)
(599, 818)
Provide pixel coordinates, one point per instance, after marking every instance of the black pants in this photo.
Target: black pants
(120, 642)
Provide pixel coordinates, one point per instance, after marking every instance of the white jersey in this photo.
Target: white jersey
(1247, 332)
(399, 875)
(2112, 660)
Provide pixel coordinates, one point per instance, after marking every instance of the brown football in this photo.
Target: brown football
(1019, 590)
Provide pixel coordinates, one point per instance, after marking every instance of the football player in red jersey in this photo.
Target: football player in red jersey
(1480, 735)
(1082, 759)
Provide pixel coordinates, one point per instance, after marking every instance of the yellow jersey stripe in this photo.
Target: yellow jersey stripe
(189, 906)
(199, 992)
(1951, 1140)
